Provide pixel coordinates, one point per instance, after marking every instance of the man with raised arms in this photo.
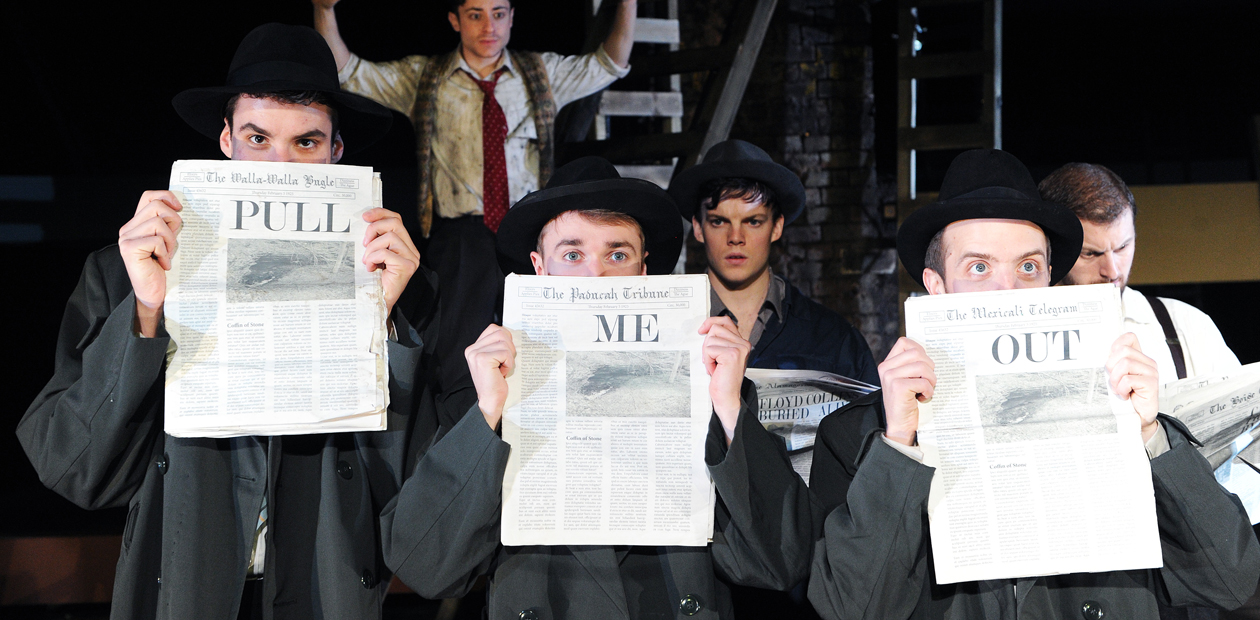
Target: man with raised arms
(484, 117)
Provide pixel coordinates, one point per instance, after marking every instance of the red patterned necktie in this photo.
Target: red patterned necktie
(494, 189)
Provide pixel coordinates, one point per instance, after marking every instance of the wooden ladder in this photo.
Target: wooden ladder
(913, 67)
(916, 64)
(657, 155)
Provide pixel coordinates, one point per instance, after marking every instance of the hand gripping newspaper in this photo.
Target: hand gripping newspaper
(1022, 425)
(608, 411)
(278, 327)
(791, 403)
(1223, 413)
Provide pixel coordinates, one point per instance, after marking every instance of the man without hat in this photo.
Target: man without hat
(440, 537)
(738, 201)
(992, 231)
(484, 117)
(252, 526)
(1183, 341)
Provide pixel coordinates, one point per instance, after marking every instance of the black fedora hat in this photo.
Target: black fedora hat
(738, 159)
(585, 184)
(988, 183)
(280, 57)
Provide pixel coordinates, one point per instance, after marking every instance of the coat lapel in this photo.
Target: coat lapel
(601, 562)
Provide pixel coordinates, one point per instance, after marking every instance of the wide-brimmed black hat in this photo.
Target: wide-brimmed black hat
(280, 57)
(738, 159)
(988, 183)
(585, 184)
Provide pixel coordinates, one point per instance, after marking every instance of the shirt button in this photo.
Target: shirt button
(163, 463)
(344, 469)
(528, 614)
(690, 605)
(368, 580)
(1091, 610)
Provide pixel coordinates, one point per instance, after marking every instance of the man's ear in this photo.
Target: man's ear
(644, 273)
(933, 282)
(537, 260)
(696, 230)
(338, 148)
(454, 19)
(225, 140)
(778, 229)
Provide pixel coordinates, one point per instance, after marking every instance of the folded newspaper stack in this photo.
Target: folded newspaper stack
(791, 403)
(279, 328)
(1223, 413)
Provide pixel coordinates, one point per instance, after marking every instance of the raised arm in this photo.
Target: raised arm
(326, 25)
(619, 40)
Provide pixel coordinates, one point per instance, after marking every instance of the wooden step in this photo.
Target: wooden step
(652, 30)
(659, 175)
(641, 103)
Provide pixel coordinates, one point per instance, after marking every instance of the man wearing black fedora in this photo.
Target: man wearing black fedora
(991, 231)
(738, 201)
(441, 537)
(252, 527)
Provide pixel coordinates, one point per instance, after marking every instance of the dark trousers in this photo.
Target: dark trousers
(462, 254)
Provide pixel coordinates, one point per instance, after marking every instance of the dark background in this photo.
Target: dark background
(1161, 90)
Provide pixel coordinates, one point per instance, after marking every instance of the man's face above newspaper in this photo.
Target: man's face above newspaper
(573, 245)
(991, 255)
(269, 130)
(737, 235)
(1106, 254)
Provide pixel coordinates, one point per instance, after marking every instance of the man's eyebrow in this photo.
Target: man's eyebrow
(256, 129)
(573, 242)
(314, 133)
(620, 243)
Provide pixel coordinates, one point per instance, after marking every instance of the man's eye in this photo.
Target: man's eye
(979, 268)
(257, 139)
(306, 143)
(619, 256)
(1028, 267)
(572, 255)
(754, 223)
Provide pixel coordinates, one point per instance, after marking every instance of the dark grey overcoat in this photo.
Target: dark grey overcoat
(442, 532)
(874, 560)
(94, 434)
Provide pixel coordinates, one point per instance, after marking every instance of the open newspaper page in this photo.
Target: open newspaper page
(1021, 426)
(1223, 413)
(279, 327)
(791, 403)
(608, 412)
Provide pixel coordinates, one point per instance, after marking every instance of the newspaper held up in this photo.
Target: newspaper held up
(1223, 413)
(1022, 424)
(791, 403)
(608, 411)
(279, 327)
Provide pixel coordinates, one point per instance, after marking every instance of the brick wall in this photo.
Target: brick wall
(810, 104)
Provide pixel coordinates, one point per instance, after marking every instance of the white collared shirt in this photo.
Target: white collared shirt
(457, 153)
(1205, 350)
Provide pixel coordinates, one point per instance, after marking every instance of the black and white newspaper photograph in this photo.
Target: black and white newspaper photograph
(608, 412)
(277, 330)
(1022, 422)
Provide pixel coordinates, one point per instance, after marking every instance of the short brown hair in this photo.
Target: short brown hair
(295, 97)
(1094, 193)
(599, 217)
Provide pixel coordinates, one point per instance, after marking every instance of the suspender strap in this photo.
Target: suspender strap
(1170, 335)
